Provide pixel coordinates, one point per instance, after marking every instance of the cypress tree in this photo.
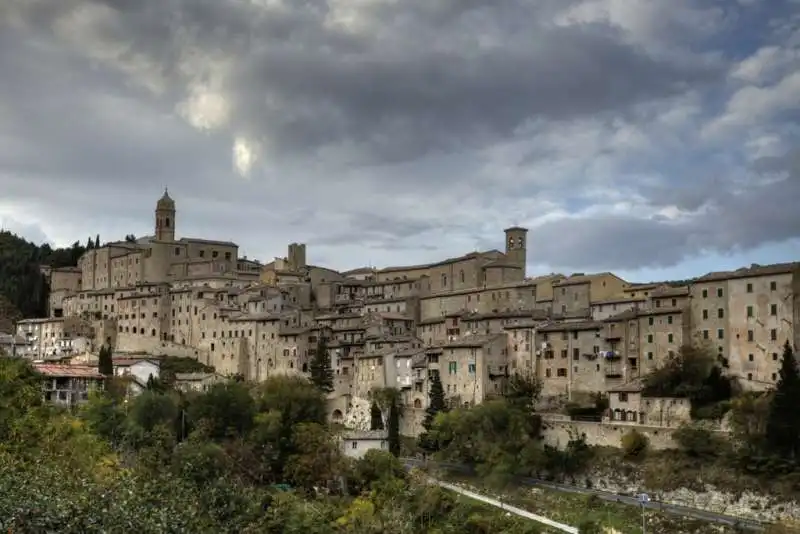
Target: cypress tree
(783, 422)
(105, 363)
(436, 404)
(376, 417)
(320, 369)
(394, 428)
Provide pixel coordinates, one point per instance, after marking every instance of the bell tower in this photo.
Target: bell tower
(165, 218)
(516, 246)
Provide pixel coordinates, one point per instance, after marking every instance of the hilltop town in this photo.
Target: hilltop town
(473, 319)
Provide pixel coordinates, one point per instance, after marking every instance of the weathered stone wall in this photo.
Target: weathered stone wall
(559, 433)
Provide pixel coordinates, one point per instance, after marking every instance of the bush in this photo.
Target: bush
(635, 444)
(590, 526)
(698, 442)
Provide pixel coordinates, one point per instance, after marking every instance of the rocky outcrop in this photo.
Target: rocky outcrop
(747, 504)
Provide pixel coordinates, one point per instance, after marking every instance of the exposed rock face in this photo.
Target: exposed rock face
(750, 505)
(358, 416)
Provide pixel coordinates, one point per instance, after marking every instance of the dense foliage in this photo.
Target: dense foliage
(693, 373)
(22, 283)
(320, 368)
(501, 438)
(220, 461)
(783, 424)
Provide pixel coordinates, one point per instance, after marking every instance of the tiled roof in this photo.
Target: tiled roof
(750, 272)
(67, 371)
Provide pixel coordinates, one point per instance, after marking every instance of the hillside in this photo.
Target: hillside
(23, 288)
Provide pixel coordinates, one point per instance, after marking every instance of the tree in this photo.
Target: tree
(321, 372)
(783, 422)
(97, 241)
(376, 417)
(436, 404)
(394, 428)
(105, 362)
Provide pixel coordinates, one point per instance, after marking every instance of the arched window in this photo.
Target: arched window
(417, 403)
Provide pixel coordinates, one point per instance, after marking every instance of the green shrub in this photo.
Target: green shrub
(635, 444)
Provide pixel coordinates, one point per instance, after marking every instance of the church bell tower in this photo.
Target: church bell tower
(516, 247)
(165, 218)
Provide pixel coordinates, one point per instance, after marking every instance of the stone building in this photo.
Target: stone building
(474, 319)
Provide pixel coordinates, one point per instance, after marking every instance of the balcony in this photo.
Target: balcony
(404, 381)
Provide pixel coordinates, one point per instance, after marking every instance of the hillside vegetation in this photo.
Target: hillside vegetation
(23, 288)
(240, 458)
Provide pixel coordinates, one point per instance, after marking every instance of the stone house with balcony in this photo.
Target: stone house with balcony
(629, 403)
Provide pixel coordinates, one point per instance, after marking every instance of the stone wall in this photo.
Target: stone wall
(559, 433)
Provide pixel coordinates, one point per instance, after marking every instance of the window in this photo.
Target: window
(649, 355)
(669, 338)
(750, 336)
(453, 367)
(669, 319)
(749, 288)
(461, 275)
(720, 313)
(650, 321)
(649, 338)
(355, 444)
(719, 292)
(773, 309)
(674, 303)
(548, 373)
(658, 304)
(228, 256)
(214, 254)
(576, 354)
(561, 372)
(774, 377)
(750, 357)
(773, 335)
(749, 311)
(749, 376)
(177, 251)
(623, 397)
(774, 356)
(705, 314)
(705, 293)
(202, 253)
(720, 334)
(773, 286)
(705, 334)
(471, 368)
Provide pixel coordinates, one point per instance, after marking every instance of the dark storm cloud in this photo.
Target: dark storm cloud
(371, 119)
(301, 82)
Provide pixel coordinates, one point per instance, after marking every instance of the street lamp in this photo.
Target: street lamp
(643, 499)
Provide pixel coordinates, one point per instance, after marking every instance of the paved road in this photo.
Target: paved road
(748, 524)
(506, 507)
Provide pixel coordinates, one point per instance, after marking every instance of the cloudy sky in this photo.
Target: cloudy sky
(655, 138)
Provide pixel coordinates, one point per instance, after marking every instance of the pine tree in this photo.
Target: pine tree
(376, 417)
(783, 422)
(436, 404)
(321, 372)
(394, 428)
(105, 363)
